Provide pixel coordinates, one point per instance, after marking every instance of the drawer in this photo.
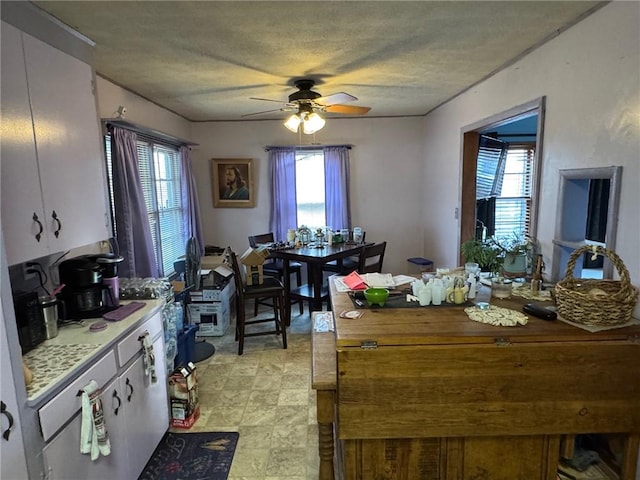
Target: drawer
(63, 406)
(131, 344)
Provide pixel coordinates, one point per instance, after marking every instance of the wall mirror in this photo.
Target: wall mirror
(588, 202)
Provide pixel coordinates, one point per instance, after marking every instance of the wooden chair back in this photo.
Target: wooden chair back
(371, 258)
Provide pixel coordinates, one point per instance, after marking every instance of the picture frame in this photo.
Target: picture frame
(232, 182)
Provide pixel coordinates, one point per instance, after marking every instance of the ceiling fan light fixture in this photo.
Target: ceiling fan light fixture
(293, 122)
(312, 123)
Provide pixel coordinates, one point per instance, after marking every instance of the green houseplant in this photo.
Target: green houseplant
(517, 251)
(486, 254)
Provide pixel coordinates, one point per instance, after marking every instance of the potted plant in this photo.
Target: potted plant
(518, 251)
(485, 253)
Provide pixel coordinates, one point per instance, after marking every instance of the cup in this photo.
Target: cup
(471, 268)
(49, 307)
(501, 287)
(456, 295)
(357, 234)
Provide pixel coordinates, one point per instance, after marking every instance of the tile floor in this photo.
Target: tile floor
(266, 395)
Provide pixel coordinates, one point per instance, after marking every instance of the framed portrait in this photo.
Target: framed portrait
(233, 182)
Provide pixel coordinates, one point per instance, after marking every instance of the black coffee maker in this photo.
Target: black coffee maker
(84, 291)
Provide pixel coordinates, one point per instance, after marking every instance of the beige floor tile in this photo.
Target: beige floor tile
(265, 395)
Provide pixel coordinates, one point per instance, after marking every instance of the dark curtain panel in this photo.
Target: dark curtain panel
(597, 217)
(485, 217)
(133, 233)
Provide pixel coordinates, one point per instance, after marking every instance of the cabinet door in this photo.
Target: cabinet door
(147, 409)
(62, 456)
(13, 463)
(21, 195)
(67, 132)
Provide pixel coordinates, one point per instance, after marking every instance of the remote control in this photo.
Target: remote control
(539, 311)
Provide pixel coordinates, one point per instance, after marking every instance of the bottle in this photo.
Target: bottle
(536, 281)
(330, 237)
(472, 286)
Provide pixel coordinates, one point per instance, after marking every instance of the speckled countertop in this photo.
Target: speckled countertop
(54, 362)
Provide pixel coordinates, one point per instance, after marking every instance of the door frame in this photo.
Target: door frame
(470, 144)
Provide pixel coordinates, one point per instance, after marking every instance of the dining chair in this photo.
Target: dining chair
(346, 266)
(274, 267)
(271, 288)
(371, 258)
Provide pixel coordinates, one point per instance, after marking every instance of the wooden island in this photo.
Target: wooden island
(426, 393)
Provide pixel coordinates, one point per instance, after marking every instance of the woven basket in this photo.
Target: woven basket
(576, 300)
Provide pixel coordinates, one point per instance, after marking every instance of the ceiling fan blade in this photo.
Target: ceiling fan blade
(334, 98)
(266, 100)
(348, 109)
(266, 111)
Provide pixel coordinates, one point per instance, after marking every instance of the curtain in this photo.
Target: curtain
(336, 185)
(193, 226)
(282, 169)
(133, 233)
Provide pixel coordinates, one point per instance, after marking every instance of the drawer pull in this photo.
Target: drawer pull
(3, 410)
(39, 234)
(131, 387)
(115, 395)
(54, 215)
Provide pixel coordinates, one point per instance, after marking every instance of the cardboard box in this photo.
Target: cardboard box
(254, 274)
(254, 256)
(222, 292)
(212, 318)
(211, 261)
(183, 394)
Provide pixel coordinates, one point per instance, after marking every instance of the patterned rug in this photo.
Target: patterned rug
(192, 456)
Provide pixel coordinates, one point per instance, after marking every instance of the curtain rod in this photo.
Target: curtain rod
(118, 122)
(305, 147)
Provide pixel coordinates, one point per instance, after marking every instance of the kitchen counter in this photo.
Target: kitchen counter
(57, 361)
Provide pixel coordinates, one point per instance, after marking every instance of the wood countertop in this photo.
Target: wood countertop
(450, 325)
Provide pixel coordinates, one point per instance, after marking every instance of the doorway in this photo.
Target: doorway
(470, 149)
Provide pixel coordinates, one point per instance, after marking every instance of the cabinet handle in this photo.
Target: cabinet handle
(115, 395)
(3, 411)
(35, 219)
(131, 387)
(54, 215)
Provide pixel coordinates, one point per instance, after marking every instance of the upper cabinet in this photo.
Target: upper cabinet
(53, 172)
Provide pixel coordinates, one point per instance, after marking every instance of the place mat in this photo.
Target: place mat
(192, 456)
(599, 328)
(498, 316)
(524, 291)
(398, 300)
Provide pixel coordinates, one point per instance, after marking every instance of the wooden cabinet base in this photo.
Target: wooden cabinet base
(477, 458)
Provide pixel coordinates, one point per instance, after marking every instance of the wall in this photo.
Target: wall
(139, 110)
(386, 169)
(590, 75)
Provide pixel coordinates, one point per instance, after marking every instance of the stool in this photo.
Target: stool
(422, 264)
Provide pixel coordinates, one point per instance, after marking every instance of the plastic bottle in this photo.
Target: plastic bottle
(472, 286)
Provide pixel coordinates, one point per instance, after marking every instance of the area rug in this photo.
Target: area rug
(192, 456)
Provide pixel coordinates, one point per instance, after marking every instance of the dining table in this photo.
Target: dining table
(314, 256)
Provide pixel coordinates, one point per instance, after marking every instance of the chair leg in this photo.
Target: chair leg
(240, 330)
(299, 280)
(255, 308)
(280, 321)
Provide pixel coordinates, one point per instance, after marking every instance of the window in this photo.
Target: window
(505, 172)
(514, 202)
(159, 168)
(310, 200)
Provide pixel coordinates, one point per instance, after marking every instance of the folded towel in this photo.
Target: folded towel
(149, 357)
(93, 433)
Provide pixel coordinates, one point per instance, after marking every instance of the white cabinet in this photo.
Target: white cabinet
(136, 418)
(13, 463)
(53, 169)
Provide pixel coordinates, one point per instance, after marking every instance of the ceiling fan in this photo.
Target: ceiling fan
(306, 104)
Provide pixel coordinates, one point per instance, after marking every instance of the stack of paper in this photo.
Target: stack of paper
(379, 280)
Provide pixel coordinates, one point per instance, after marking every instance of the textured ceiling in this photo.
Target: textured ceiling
(204, 60)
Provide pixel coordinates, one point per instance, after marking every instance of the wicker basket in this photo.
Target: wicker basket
(577, 301)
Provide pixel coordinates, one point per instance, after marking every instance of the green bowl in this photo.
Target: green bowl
(376, 296)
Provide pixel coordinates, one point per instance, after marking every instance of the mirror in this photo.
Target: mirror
(588, 201)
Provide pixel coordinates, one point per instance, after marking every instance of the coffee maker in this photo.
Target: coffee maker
(83, 294)
(109, 264)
